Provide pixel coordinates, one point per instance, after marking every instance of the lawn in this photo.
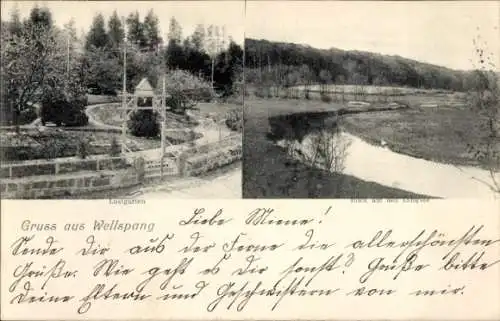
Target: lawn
(218, 110)
(102, 99)
(408, 96)
(269, 173)
(111, 115)
(431, 133)
(374, 89)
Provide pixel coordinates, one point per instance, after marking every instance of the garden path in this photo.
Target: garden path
(210, 134)
(226, 185)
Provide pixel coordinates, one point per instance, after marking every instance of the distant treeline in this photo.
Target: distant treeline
(208, 52)
(44, 64)
(288, 64)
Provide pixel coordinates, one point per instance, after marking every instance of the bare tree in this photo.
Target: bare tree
(484, 98)
(214, 44)
(324, 149)
(327, 149)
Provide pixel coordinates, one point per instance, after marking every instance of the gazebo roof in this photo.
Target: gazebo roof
(144, 89)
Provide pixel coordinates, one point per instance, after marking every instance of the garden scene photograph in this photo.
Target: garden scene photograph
(116, 99)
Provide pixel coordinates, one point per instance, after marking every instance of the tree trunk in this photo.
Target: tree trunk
(212, 76)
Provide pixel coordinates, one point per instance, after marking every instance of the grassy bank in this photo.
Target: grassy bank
(434, 134)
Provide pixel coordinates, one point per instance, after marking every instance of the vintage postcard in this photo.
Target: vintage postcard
(250, 160)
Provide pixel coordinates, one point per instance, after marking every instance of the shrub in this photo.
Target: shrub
(27, 115)
(182, 84)
(63, 109)
(180, 137)
(76, 119)
(144, 123)
(234, 120)
(51, 150)
(83, 149)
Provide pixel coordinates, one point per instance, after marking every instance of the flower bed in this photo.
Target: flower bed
(181, 136)
(51, 143)
(61, 166)
(203, 163)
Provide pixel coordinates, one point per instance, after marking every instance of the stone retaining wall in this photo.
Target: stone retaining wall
(153, 169)
(57, 167)
(219, 157)
(67, 185)
(60, 178)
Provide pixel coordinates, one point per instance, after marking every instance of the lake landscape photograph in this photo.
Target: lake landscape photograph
(371, 100)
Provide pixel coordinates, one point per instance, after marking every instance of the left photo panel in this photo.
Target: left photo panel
(121, 99)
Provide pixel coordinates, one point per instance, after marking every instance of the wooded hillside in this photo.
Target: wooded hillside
(294, 64)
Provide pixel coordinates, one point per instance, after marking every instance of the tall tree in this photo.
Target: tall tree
(70, 30)
(135, 30)
(152, 31)
(97, 36)
(212, 47)
(116, 33)
(102, 70)
(64, 97)
(15, 24)
(198, 37)
(41, 17)
(73, 61)
(175, 53)
(174, 31)
(229, 69)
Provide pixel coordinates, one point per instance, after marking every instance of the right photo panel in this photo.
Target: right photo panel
(372, 99)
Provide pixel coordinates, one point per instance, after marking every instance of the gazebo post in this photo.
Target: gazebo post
(124, 93)
(164, 116)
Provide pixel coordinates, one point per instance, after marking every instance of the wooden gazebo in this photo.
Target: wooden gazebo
(144, 98)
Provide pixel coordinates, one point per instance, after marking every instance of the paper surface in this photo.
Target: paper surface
(230, 260)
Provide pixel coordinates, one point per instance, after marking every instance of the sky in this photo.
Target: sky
(188, 13)
(436, 32)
